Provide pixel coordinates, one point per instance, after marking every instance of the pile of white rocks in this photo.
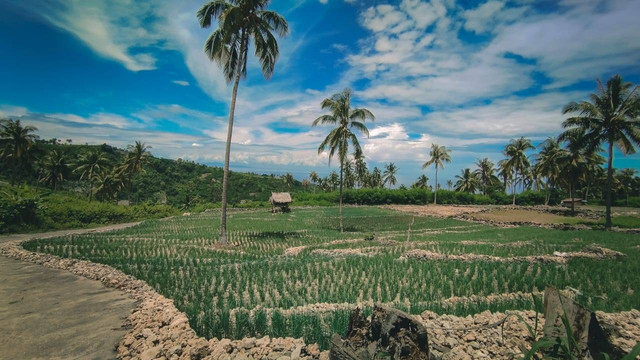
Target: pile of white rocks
(474, 337)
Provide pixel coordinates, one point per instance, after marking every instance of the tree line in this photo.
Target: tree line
(571, 162)
(21, 155)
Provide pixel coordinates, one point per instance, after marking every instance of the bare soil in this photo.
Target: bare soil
(438, 210)
(523, 216)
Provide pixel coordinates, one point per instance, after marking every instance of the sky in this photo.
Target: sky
(469, 75)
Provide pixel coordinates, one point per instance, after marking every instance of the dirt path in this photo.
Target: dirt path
(53, 314)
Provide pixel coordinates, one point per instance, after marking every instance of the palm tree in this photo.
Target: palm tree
(55, 169)
(239, 22)
(449, 184)
(108, 184)
(593, 170)
(375, 178)
(288, 180)
(349, 175)
(611, 118)
(467, 181)
(17, 145)
(389, 176)
(315, 179)
(626, 181)
(346, 119)
(421, 183)
(572, 165)
(361, 169)
(485, 174)
(517, 160)
(548, 164)
(137, 157)
(332, 180)
(89, 165)
(439, 155)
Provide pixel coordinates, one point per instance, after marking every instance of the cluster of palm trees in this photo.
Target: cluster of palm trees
(571, 162)
(19, 151)
(357, 175)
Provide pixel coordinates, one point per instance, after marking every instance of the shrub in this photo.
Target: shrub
(29, 209)
(415, 197)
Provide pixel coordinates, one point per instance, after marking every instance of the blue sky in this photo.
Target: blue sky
(470, 75)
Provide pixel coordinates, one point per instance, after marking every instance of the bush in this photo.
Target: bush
(29, 209)
(18, 206)
(415, 197)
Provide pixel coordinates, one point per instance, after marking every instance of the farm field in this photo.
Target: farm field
(295, 274)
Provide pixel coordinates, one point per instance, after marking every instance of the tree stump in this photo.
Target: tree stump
(390, 334)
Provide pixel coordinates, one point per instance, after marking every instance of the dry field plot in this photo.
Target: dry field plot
(295, 275)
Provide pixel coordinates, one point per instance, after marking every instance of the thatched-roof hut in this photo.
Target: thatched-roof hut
(569, 201)
(280, 201)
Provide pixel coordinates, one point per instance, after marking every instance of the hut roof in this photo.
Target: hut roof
(280, 198)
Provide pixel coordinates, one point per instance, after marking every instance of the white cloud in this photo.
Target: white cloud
(114, 29)
(508, 117)
(181, 82)
(114, 120)
(12, 111)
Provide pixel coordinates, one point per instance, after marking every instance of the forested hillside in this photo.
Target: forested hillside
(180, 183)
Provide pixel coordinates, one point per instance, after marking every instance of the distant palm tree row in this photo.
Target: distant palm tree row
(570, 162)
(106, 180)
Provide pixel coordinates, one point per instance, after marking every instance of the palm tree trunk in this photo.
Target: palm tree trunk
(515, 183)
(225, 176)
(435, 191)
(573, 203)
(607, 224)
(341, 224)
(90, 190)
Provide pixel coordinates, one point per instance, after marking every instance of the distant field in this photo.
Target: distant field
(253, 288)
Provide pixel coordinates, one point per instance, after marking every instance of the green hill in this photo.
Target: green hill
(180, 183)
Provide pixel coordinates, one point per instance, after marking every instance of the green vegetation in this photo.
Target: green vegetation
(250, 288)
(30, 209)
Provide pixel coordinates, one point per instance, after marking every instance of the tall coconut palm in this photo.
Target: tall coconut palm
(89, 165)
(485, 174)
(517, 160)
(346, 119)
(611, 117)
(239, 22)
(439, 156)
(548, 164)
(389, 176)
(449, 184)
(467, 181)
(17, 145)
(55, 168)
(421, 183)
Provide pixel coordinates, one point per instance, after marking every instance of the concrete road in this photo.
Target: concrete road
(52, 314)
